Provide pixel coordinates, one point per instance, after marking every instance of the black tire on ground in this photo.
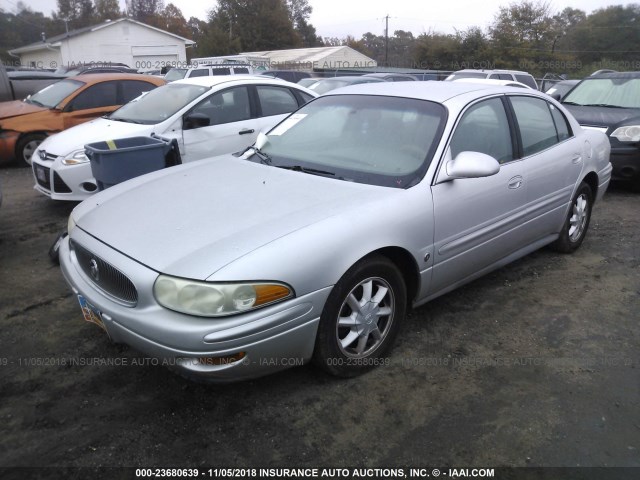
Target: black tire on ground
(577, 221)
(25, 147)
(361, 318)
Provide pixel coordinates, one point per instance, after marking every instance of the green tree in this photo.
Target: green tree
(522, 34)
(106, 10)
(146, 11)
(75, 13)
(173, 21)
(255, 24)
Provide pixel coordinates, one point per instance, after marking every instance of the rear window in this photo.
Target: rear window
(527, 80)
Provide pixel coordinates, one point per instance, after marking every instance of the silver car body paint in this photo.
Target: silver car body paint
(226, 219)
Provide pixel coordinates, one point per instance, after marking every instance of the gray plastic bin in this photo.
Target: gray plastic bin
(132, 157)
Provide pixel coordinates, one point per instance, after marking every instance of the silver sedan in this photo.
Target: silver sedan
(312, 244)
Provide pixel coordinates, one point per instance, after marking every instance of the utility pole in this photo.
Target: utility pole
(386, 41)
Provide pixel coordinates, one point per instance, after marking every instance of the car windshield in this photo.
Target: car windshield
(175, 74)
(378, 140)
(159, 104)
(613, 92)
(52, 95)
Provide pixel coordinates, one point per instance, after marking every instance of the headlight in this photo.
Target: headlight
(76, 157)
(630, 133)
(216, 299)
(71, 224)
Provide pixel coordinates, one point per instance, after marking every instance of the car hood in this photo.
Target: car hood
(601, 116)
(97, 130)
(18, 108)
(192, 220)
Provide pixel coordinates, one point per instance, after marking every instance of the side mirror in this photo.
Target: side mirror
(556, 96)
(472, 165)
(195, 120)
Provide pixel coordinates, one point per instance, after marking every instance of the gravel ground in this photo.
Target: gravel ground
(533, 365)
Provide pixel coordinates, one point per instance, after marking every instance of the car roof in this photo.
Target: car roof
(90, 78)
(615, 75)
(351, 78)
(433, 91)
(211, 81)
(493, 81)
(519, 72)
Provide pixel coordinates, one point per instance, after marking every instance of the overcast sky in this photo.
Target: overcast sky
(339, 18)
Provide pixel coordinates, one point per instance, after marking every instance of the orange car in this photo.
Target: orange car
(64, 104)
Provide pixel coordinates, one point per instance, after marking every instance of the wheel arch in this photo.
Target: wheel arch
(46, 133)
(591, 179)
(407, 265)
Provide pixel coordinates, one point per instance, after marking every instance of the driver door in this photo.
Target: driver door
(230, 128)
(478, 221)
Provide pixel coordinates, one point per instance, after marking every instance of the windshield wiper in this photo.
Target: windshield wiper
(602, 105)
(253, 150)
(312, 171)
(126, 120)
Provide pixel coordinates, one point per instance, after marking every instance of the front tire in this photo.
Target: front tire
(577, 222)
(361, 318)
(26, 146)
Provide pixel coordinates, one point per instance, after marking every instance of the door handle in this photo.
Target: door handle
(246, 131)
(515, 182)
(577, 158)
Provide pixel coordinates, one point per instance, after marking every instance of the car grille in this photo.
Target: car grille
(105, 276)
(42, 175)
(59, 185)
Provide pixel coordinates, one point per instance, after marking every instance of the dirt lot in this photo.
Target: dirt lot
(536, 364)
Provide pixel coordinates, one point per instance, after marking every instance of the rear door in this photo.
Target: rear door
(274, 103)
(552, 157)
(478, 221)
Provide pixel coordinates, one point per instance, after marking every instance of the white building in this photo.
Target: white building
(127, 41)
(305, 59)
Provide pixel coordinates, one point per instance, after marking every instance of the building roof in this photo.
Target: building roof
(306, 55)
(55, 40)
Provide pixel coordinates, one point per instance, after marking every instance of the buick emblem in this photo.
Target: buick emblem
(43, 155)
(93, 269)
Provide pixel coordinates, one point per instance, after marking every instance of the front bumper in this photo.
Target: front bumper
(625, 160)
(62, 182)
(272, 339)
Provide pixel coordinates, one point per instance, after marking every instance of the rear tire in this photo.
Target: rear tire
(361, 318)
(577, 222)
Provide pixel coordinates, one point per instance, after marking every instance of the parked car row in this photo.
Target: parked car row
(312, 223)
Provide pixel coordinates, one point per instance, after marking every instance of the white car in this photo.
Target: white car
(208, 116)
(494, 82)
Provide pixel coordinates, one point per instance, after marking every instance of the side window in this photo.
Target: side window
(537, 129)
(220, 71)
(527, 80)
(240, 70)
(100, 95)
(134, 88)
(231, 105)
(562, 126)
(494, 76)
(200, 72)
(484, 128)
(306, 98)
(276, 100)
